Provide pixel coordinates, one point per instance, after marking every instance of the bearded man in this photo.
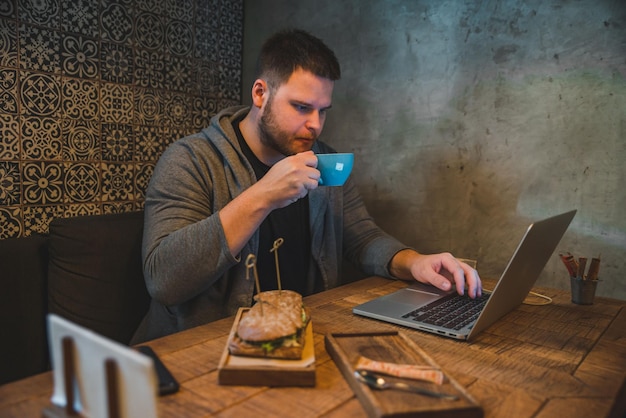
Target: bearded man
(251, 178)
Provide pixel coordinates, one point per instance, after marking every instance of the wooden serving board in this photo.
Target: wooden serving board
(395, 347)
(249, 371)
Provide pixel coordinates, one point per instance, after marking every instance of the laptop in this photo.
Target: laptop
(463, 318)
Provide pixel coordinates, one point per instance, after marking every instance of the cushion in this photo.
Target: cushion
(95, 274)
(23, 300)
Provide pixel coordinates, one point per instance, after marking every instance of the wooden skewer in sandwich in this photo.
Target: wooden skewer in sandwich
(275, 325)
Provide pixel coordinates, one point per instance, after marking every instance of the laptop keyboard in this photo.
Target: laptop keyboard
(453, 311)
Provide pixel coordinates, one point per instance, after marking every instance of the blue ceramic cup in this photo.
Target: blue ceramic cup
(334, 168)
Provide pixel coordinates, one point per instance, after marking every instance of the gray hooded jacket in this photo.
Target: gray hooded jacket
(189, 271)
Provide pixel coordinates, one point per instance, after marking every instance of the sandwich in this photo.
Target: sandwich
(274, 327)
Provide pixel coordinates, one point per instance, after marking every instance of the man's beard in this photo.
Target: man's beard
(271, 135)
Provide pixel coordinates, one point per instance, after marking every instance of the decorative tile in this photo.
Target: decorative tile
(116, 22)
(117, 103)
(8, 9)
(117, 142)
(10, 222)
(203, 109)
(39, 49)
(42, 183)
(173, 134)
(9, 137)
(228, 39)
(80, 99)
(149, 69)
(207, 10)
(143, 174)
(122, 207)
(81, 140)
(117, 182)
(149, 143)
(229, 81)
(179, 37)
(230, 49)
(206, 44)
(41, 12)
(37, 218)
(116, 63)
(231, 15)
(40, 94)
(79, 57)
(154, 6)
(177, 109)
(178, 74)
(41, 138)
(180, 9)
(8, 43)
(149, 31)
(128, 4)
(9, 183)
(8, 91)
(80, 16)
(206, 78)
(82, 182)
(148, 107)
(82, 209)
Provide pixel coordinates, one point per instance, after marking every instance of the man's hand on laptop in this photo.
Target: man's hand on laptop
(440, 270)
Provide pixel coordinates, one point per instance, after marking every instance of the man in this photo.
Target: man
(249, 179)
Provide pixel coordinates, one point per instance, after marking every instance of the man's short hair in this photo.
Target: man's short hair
(286, 51)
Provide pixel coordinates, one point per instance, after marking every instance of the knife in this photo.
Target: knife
(376, 381)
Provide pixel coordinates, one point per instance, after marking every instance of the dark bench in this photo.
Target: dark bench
(87, 269)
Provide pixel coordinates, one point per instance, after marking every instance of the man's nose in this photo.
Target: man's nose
(315, 122)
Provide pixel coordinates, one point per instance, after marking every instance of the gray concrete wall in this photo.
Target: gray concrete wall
(470, 119)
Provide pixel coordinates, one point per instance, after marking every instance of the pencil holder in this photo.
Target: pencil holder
(583, 291)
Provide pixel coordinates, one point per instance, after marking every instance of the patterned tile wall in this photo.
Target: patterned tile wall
(93, 91)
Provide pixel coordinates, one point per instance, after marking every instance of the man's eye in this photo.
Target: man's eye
(302, 108)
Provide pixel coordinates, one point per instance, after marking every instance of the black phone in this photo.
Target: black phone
(167, 383)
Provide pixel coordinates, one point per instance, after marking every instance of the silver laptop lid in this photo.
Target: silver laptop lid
(522, 271)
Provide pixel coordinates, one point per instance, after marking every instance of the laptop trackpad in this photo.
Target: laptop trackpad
(414, 298)
(398, 303)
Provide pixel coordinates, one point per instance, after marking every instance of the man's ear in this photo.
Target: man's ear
(260, 92)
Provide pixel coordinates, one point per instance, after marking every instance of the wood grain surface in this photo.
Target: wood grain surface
(538, 361)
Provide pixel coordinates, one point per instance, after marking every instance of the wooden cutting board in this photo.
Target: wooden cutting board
(395, 347)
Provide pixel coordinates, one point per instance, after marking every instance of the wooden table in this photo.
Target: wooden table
(559, 360)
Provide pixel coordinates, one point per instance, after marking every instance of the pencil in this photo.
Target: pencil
(594, 269)
(582, 262)
(570, 264)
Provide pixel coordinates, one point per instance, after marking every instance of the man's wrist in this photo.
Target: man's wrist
(400, 264)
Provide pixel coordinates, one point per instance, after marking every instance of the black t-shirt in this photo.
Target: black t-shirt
(290, 223)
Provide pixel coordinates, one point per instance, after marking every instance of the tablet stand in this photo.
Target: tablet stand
(69, 377)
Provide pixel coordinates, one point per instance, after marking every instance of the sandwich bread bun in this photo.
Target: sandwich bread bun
(273, 328)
